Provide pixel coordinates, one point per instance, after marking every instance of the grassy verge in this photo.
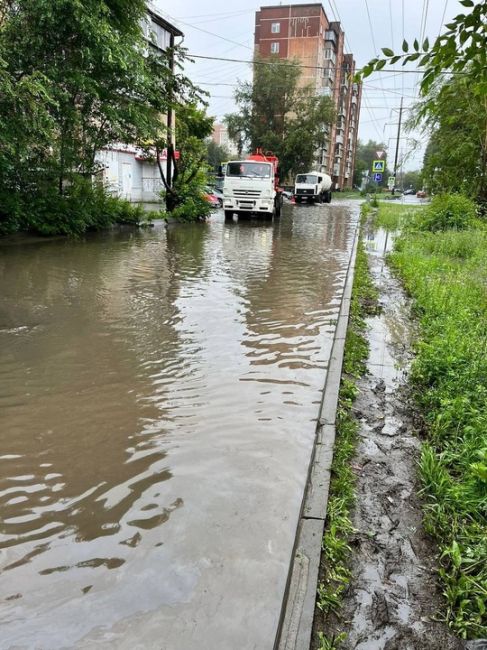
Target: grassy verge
(394, 216)
(338, 529)
(347, 194)
(445, 272)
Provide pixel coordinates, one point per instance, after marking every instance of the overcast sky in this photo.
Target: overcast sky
(232, 33)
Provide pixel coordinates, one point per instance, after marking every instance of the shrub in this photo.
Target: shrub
(193, 208)
(448, 212)
(83, 206)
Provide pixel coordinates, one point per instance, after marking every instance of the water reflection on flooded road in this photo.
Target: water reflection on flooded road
(159, 392)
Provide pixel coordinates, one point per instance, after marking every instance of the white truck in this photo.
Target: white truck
(250, 187)
(312, 186)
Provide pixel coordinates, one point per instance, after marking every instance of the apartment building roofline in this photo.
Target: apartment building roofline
(163, 22)
(303, 4)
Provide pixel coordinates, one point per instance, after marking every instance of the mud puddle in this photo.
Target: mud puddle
(393, 598)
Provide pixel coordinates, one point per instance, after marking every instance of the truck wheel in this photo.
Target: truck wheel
(228, 214)
(328, 197)
(298, 199)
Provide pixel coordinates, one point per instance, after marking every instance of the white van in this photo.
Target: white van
(313, 186)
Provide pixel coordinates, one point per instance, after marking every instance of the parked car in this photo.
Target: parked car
(421, 194)
(409, 191)
(218, 193)
(212, 199)
(287, 194)
(214, 196)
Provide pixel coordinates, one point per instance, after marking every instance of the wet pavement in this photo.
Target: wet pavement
(159, 393)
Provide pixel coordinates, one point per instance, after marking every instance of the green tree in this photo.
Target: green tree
(183, 194)
(461, 49)
(366, 154)
(280, 115)
(411, 179)
(454, 100)
(95, 80)
(216, 154)
(455, 116)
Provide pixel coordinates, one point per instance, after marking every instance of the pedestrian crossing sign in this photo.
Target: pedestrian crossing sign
(379, 166)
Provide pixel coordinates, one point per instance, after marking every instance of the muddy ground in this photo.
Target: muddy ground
(394, 598)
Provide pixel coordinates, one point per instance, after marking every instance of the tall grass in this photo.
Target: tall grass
(395, 216)
(446, 274)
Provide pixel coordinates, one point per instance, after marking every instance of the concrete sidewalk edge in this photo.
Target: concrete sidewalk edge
(297, 613)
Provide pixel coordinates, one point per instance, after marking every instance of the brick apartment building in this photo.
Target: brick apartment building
(304, 32)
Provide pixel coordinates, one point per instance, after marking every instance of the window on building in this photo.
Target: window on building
(276, 28)
(274, 48)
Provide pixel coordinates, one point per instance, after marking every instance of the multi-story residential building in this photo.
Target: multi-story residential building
(304, 32)
(220, 137)
(126, 171)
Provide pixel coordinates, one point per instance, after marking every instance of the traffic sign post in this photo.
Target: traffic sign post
(377, 178)
(379, 166)
(391, 182)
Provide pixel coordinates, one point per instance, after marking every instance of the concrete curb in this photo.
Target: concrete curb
(296, 620)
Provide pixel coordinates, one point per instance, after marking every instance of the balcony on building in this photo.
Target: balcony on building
(330, 55)
(339, 138)
(331, 37)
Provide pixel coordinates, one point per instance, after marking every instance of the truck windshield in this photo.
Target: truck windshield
(249, 169)
(310, 179)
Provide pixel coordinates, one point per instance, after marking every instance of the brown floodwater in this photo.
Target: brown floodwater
(159, 392)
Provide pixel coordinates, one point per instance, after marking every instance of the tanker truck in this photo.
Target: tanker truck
(251, 186)
(313, 186)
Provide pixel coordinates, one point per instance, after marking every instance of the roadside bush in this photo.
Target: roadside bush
(191, 204)
(194, 208)
(83, 206)
(447, 212)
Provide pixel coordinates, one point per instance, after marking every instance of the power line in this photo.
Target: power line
(224, 13)
(443, 17)
(312, 67)
(205, 31)
(425, 21)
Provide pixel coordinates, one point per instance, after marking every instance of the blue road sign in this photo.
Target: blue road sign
(377, 178)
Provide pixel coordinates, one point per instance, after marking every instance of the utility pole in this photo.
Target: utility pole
(397, 146)
(170, 126)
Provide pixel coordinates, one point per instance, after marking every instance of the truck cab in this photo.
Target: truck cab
(250, 188)
(312, 186)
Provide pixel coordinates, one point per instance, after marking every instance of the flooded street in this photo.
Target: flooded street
(159, 392)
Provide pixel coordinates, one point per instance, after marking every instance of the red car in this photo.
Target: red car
(421, 194)
(213, 200)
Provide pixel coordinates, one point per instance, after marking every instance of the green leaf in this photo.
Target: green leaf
(367, 70)
(395, 59)
(467, 3)
(405, 46)
(387, 51)
(426, 45)
(416, 45)
(381, 64)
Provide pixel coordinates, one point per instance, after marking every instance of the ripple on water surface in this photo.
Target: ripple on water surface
(159, 393)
